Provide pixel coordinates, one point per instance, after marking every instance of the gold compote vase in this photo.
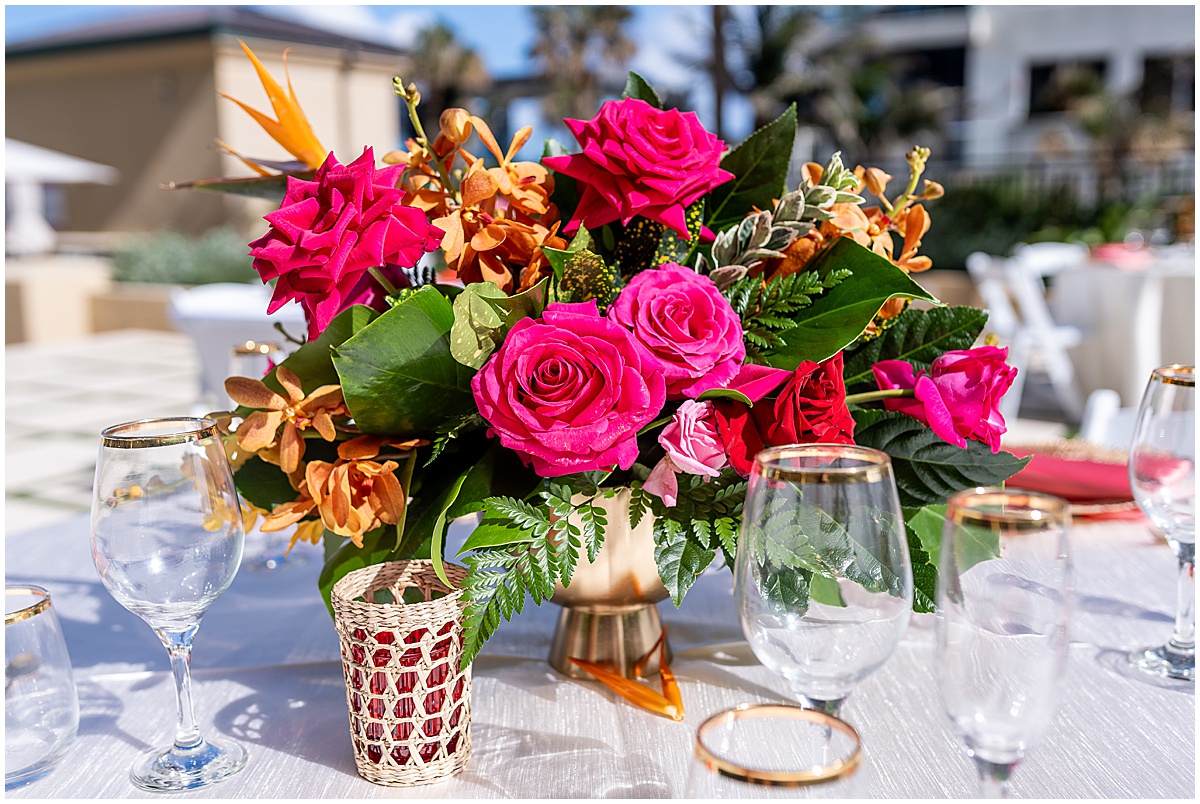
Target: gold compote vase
(609, 613)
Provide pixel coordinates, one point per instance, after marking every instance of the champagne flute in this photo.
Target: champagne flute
(167, 540)
(1162, 474)
(1004, 602)
(823, 580)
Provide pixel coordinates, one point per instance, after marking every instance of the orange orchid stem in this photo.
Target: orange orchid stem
(637, 694)
(670, 686)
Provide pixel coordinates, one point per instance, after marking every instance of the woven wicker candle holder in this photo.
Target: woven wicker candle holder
(410, 705)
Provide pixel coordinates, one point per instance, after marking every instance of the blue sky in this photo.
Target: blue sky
(502, 34)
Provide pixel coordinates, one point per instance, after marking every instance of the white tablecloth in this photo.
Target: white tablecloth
(267, 674)
(1132, 320)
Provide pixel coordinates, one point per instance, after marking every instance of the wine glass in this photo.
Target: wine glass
(823, 581)
(776, 751)
(1003, 605)
(167, 540)
(1162, 474)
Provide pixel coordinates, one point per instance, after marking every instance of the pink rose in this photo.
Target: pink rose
(638, 160)
(568, 392)
(686, 323)
(693, 446)
(329, 231)
(959, 397)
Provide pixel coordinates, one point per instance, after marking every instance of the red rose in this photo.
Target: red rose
(810, 408)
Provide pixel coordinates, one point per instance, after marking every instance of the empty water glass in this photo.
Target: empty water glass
(1004, 603)
(41, 709)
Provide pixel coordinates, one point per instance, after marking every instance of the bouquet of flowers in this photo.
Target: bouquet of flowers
(644, 310)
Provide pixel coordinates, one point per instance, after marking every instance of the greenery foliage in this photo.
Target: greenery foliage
(219, 255)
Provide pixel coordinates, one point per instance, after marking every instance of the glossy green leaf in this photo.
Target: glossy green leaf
(915, 336)
(823, 589)
(839, 315)
(263, 485)
(398, 375)
(639, 88)
(725, 393)
(759, 166)
(680, 560)
(928, 470)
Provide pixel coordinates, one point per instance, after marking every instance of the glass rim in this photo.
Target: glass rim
(814, 775)
(33, 609)
(1027, 506)
(1175, 374)
(875, 467)
(187, 429)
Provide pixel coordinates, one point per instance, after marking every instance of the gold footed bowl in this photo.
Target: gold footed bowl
(610, 612)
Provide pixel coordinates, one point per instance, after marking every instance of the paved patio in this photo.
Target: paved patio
(59, 397)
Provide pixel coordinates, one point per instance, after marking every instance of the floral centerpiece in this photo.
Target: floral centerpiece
(639, 313)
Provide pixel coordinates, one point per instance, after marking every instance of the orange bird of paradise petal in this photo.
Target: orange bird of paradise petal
(668, 703)
(292, 129)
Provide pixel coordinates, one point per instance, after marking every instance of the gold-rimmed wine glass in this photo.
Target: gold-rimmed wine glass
(823, 579)
(167, 541)
(1162, 475)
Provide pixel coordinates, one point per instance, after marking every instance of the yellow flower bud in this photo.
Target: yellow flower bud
(456, 125)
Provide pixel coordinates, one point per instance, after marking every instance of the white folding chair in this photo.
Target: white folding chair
(1047, 259)
(1105, 422)
(1030, 333)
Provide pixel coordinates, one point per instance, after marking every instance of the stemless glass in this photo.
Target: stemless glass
(41, 708)
(167, 540)
(775, 751)
(1004, 601)
(1162, 473)
(834, 509)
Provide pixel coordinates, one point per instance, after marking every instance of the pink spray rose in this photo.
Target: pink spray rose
(329, 231)
(568, 392)
(686, 323)
(959, 397)
(638, 160)
(693, 446)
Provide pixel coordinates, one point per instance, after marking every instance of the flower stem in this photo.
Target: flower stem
(383, 280)
(875, 396)
(411, 99)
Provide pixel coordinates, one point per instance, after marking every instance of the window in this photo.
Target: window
(1053, 86)
(1168, 84)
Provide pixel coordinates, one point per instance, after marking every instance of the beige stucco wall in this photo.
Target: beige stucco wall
(147, 109)
(152, 111)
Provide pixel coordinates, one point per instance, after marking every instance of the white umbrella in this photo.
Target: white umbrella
(27, 170)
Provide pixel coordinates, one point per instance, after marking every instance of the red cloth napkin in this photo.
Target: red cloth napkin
(1081, 483)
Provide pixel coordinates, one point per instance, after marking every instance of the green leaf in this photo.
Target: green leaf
(565, 195)
(759, 166)
(313, 362)
(915, 336)
(398, 376)
(263, 485)
(823, 589)
(439, 530)
(637, 87)
(272, 188)
(839, 315)
(725, 393)
(494, 533)
(478, 328)
(378, 547)
(927, 524)
(925, 576)
(927, 469)
(680, 560)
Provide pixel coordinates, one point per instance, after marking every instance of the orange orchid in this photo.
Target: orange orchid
(278, 422)
(354, 495)
(291, 128)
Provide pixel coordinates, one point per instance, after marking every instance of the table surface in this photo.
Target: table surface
(266, 673)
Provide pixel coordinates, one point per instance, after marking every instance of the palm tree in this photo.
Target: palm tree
(447, 71)
(582, 51)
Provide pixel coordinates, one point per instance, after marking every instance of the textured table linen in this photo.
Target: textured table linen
(266, 673)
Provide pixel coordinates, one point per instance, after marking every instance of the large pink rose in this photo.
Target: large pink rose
(638, 160)
(959, 397)
(568, 392)
(693, 446)
(329, 231)
(686, 323)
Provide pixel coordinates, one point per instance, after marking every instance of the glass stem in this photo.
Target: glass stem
(1184, 639)
(179, 646)
(993, 778)
(833, 707)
